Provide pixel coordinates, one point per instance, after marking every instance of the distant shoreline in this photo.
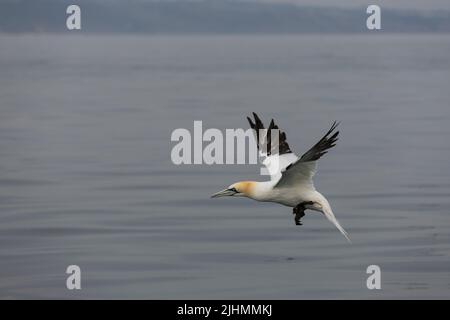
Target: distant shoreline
(211, 17)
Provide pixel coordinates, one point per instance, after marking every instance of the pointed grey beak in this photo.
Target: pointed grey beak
(223, 193)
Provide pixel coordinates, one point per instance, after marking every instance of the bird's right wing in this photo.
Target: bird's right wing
(303, 170)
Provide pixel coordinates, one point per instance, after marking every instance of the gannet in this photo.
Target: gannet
(291, 182)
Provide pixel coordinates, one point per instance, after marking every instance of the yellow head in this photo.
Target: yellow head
(238, 189)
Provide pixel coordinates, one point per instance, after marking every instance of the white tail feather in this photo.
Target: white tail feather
(330, 216)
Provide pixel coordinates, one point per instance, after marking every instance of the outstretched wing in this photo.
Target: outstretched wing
(277, 154)
(303, 170)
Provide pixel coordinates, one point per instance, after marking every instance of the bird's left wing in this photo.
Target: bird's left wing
(302, 170)
(278, 154)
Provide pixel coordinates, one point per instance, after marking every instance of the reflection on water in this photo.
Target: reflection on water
(86, 176)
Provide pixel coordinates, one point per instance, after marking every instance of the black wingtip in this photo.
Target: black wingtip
(259, 124)
(327, 142)
(252, 125)
(335, 125)
(272, 124)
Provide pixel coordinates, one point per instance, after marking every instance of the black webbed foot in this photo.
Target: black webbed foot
(299, 211)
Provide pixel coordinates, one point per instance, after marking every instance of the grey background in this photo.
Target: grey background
(86, 176)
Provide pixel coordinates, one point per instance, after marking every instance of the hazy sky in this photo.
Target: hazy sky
(401, 4)
(398, 4)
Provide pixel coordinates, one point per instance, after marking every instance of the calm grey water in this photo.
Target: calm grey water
(86, 176)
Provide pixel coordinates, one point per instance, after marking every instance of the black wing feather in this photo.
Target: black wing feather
(258, 125)
(321, 147)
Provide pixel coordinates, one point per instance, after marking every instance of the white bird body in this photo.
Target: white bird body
(291, 182)
(265, 192)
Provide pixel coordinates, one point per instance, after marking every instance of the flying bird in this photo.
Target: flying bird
(291, 177)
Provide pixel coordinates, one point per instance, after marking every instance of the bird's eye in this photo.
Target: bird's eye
(233, 189)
